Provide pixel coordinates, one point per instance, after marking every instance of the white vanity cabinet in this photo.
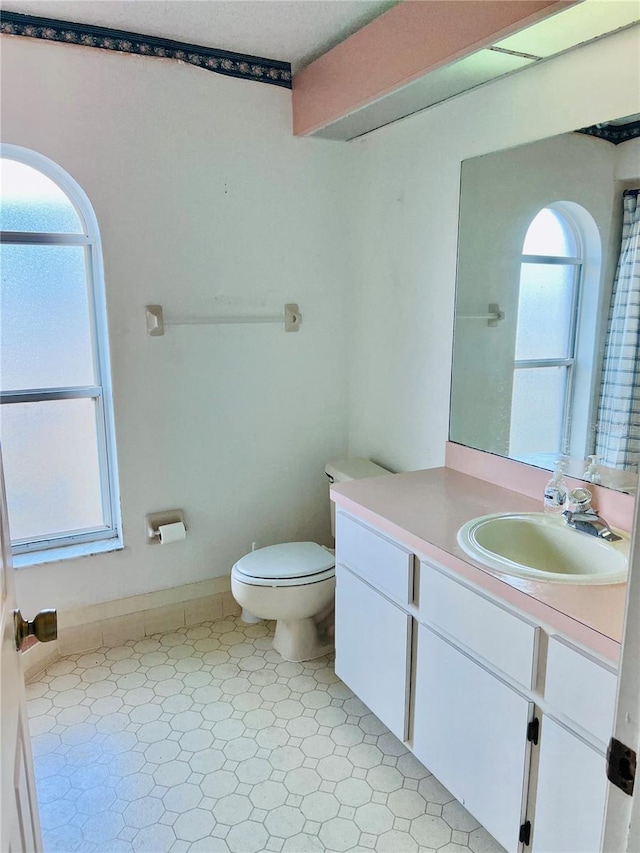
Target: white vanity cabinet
(470, 731)
(579, 694)
(570, 794)
(470, 726)
(373, 650)
(517, 735)
(373, 631)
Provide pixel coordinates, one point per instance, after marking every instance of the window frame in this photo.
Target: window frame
(46, 546)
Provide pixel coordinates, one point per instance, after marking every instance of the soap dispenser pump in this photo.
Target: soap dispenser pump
(591, 474)
(555, 492)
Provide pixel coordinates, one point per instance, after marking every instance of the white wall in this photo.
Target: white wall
(407, 234)
(207, 204)
(628, 161)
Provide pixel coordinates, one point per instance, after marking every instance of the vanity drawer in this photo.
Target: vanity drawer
(504, 640)
(385, 565)
(581, 687)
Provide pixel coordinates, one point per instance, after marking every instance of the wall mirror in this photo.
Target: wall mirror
(546, 361)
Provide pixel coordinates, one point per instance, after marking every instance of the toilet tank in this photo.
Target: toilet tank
(344, 468)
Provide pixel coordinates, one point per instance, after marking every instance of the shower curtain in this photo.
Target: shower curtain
(618, 424)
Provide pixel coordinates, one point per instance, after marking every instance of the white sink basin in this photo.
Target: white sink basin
(540, 546)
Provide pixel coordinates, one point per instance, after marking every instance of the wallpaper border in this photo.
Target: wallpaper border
(614, 133)
(271, 71)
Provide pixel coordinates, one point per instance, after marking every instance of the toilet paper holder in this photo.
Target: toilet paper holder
(154, 520)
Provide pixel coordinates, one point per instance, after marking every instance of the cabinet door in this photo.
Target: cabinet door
(470, 731)
(372, 650)
(571, 793)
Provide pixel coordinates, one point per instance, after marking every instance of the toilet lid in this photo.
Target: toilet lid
(289, 560)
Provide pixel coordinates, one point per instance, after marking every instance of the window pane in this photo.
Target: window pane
(51, 463)
(545, 305)
(537, 429)
(44, 318)
(550, 234)
(29, 201)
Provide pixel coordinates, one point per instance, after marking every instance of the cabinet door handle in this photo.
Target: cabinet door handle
(525, 833)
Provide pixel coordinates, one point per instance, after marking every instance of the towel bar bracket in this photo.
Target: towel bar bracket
(292, 318)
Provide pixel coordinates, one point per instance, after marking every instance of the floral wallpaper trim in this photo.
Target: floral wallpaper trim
(614, 133)
(271, 71)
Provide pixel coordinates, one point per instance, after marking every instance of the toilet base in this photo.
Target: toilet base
(248, 618)
(297, 640)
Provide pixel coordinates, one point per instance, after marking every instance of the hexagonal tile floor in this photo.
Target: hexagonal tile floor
(204, 739)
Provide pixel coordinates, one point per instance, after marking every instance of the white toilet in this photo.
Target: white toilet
(294, 582)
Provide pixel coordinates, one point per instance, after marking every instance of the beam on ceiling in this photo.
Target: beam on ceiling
(402, 45)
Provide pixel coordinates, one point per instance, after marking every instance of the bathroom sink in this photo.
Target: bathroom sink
(541, 546)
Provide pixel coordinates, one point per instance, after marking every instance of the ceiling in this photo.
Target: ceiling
(295, 31)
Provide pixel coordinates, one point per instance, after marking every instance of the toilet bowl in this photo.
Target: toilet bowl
(293, 584)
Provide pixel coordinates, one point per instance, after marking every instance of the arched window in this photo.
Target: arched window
(546, 336)
(56, 416)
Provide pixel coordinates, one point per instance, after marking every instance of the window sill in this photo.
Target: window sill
(66, 552)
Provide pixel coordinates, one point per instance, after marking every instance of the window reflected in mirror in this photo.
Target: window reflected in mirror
(546, 333)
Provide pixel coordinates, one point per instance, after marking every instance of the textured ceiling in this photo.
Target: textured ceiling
(296, 31)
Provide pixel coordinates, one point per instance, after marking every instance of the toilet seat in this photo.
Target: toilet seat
(287, 564)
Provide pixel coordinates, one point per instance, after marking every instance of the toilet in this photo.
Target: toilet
(294, 583)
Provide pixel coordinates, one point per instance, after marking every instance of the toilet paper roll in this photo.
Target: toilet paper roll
(172, 532)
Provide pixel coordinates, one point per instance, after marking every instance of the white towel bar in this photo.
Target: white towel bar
(156, 320)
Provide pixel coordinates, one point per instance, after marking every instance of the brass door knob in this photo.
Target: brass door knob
(44, 627)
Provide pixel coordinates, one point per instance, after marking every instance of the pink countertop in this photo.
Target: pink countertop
(424, 511)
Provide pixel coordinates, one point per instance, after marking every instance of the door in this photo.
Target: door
(20, 824)
(622, 821)
(571, 793)
(372, 650)
(470, 731)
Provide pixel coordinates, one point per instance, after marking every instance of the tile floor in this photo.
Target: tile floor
(204, 739)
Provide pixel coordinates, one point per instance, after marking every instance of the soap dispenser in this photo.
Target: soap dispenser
(591, 474)
(555, 492)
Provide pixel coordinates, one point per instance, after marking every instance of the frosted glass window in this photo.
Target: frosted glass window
(31, 201)
(545, 311)
(45, 319)
(56, 419)
(538, 429)
(52, 476)
(550, 234)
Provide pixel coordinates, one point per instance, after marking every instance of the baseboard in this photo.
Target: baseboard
(112, 623)
(38, 657)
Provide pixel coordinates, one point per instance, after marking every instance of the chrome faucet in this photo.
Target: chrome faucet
(585, 518)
